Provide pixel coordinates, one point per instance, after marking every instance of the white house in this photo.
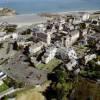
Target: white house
(49, 54)
(23, 43)
(2, 34)
(71, 53)
(85, 17)
(66, 54)
(62, 21)
(15, 36)
(5, 37)
(77, 21)
(41, 27)
(71, 64)
(36, 47)
(89, 57)
(84, 32)
(60, 27)
(70, 38)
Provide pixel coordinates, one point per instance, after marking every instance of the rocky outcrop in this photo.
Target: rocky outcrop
(7, 12)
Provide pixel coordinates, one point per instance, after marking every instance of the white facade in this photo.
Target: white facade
(49, 55)
(71, 64)
(70, 39)
(62, 21)
(98, 62)
(77, 21)
(67, 41)
(2, 34)
(72, 54)
(66, 54)
(74, 36)
(36, 47)
(60, 27)
(71, 27)
(84, 32)
(85, 17)
(22, 43)
(48, 38)
(89, 58)
(41, 27)
(15, 36)
(5, 37)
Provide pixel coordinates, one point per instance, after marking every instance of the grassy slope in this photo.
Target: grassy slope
(86, 88)
(33, 94)
(3, 87)
(49, 66)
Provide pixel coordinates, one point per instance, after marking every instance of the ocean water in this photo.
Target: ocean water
(37, 6)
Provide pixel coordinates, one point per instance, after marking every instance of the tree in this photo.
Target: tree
(26, 50)
(15, 46)
(60, 76)
(1, 45)
(63, 85)
(92, 43)
(4, 98)
(28, 31)
(82, 26)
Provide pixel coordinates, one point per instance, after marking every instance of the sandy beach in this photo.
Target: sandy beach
(29, 19)
(24, 19)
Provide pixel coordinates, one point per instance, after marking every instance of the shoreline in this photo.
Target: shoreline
(23, 19)
(61, 12)
(58, 12)
(34, 18)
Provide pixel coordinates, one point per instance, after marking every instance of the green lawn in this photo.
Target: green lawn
(49, 66)
(3, 87)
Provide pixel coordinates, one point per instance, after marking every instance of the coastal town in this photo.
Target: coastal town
(58, 59)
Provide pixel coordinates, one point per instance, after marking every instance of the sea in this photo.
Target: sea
(39, 6)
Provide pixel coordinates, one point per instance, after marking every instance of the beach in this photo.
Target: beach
(23, 19)
(29, 19)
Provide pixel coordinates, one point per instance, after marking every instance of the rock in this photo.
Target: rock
(7, 12)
